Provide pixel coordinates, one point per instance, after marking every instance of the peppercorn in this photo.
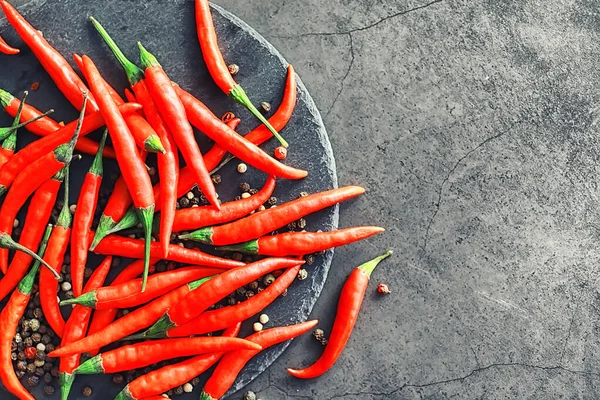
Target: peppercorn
(383, 289)
(196, 202)
(54, 372)
(302, 274)
(196, 381)
(69, 294)
(249, 396)
(21, 356)
(21, 365)
(34, 324)
(310, 259)
(257, 326)
(33, 381)
(29, 313)
(188, 388)
(48, 365)
(203, 199)
(277, 273)
(253, 285)
(36, 337)
(171, 266)
(20, 374)
(266, 107)
(291, 226)
(40, 355)
(260, 289)
(179, 390)
(39, 371)
(244, 186)
(228, 116)
(237, 256)
(249, 294)
(13, 356)
(184, 202)
(117, 379)
(50, 347)
(320, 336)
(48, 390)
(43, 329)
(263, 319)
(30, 352)
(87, 391)
(46, 339)
(47, 377)
(87, 272)
(216, 178)
(233, 69)
(268, 279)
(245, 195)
(31, 368)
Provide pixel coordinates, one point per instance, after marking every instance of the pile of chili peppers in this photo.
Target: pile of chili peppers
(172, 308)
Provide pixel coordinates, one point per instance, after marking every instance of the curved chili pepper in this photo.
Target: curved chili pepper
(76, 329)
(116, 209)
(132, 167)
(214, 290)
(215, 320)
(8, 146)
(61, 72)
(39, 148)
(7, 49)
(83, 218)
(141, 355)
(257, 136)
(7, 131)
(128, 294)
(171, 376)
(265, 222)
(198, 217)
(134, 248)
(38, 215)
(9, 321)
(173, 113)
(29, 179)
(54, 255)
(46, 125)
(202, 118)
(351, 299)
(136, 320)
(232, 363)
(217, 67)
(301, 243)
(103, 318)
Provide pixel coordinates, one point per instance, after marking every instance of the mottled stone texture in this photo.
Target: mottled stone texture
(474, 126)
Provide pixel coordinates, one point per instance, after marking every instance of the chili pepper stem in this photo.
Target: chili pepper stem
(104, 226)
(5, 132)
(159, 328)
(206, 396)
(125, 394)
(154, 145)
(8, 243)
(87, 300)
(250, 247)
(238, 94)
(203, 235)
(369, 266)
(26, 284)
(129, 220)
(96, 167)
(5, 98)
(91, 366)
(146, 215)
(65, 381)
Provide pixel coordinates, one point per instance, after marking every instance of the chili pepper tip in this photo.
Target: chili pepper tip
(147, 58)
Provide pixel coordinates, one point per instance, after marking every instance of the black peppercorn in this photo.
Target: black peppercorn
(244, 186)
(272, 201)
(117, 379)
(216, 179)
(48, 390)
(87, 391)
(184, 202)
(47, 378)
(33, 381)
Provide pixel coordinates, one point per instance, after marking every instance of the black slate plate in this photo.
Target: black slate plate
(167, 30)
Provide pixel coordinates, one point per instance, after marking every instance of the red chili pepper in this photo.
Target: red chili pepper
(265, 222)
(46, 125)
(7, 49)
(76, 328)
(351, 299)
(280, 153)
(38, 215)
(136, 320)
(83, 218)
(173, 113)
(171, 376)
(61, 72)
(131, 97)
(233, 362)
(141, 355)
(198, 217)
(29, 179)
(127, 295)
(202, 118)
(215, 320)
(301, 243)
(39, 148)
(116, 209)
(217, 67)
(134, 248)
(54, 255)
(214, 290)
(132, 167)
(9, 320)
(103, 318)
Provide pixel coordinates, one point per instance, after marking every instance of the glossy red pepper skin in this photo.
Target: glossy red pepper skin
(198, 217)
(58, 68)
(202, 118)
(215, 290)
(265, 222)
(38, 215)
(215, 320)
(83, 218)
(7, 49)
(134, 321)
(39, 148)
(348, 309)
(46, 125)
(161, 89)
(301, 243)
(134, 248)
(171, 376)
(76, 328)
(233, 362)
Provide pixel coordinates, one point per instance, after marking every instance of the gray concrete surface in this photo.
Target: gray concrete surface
(474, 126)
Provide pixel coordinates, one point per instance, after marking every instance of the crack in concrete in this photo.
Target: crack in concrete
(362, 28)
(564, 349)
(343, 81)
(447, 178)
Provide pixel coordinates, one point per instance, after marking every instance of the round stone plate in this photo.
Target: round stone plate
(168, 30)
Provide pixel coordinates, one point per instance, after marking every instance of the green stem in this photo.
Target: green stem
(66, 382)
(64, 152)
(146, 215)
(96, 167)
(206, 396)
(154, 145)
(129, 220)
(203, 235)
(6, 242)
(20, 109)
(125, 394)
(104, 226)
(88, 299)
(4, 132)
(10, 143)
(133, 72)
(250, 247)
(26, 284)
(148, 60)
(239, 95)
(369, 266)
(65, 218)
(91, 366)
(5, 98)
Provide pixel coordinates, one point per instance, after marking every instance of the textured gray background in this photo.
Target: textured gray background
(474, 126)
